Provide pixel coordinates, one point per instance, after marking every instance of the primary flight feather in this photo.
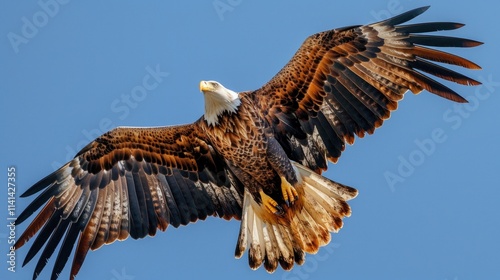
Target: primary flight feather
(256, 156)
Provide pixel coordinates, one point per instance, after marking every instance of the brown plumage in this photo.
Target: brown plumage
(255, 156)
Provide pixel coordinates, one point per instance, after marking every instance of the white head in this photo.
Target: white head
(218, 100)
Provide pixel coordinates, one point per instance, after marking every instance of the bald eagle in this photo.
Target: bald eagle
(256, 156)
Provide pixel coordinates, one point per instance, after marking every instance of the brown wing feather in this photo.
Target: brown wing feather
(128, 182)
(345, 82)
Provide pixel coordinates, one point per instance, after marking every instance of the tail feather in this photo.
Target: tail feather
(304, 228)
(285, 247)
(320, 214)
(322, 233)
(270, 258)
(257, 250)
(336, 209)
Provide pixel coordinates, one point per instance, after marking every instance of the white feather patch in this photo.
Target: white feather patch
(309, 228)
(218, 101)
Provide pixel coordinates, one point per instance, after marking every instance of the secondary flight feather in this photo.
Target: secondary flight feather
(255, 156)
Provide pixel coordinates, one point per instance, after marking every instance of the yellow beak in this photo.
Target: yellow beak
(204, 86)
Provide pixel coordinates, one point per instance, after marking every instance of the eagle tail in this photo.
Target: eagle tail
(304, 228)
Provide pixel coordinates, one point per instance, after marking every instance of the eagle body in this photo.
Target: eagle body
(279, 217)
(255, 156)
(241, 138)
(245, 141)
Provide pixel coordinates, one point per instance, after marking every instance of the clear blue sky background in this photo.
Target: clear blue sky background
(69, 80)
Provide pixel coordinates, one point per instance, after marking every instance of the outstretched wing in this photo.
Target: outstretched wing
(129, 181)
(345, 82)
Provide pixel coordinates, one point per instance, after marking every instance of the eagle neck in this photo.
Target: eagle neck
(217, 105)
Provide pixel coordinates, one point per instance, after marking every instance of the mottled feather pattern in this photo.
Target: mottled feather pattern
(340, 84)
(107, 194)
(355, 76)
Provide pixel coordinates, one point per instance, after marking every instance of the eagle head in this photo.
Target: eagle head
(218, 100)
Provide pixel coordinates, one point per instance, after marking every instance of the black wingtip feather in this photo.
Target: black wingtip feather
(65, 251)
(37, 203)
(56, 236)
(428, 27)
(442, 72)
(43, 236)
(40, 185)
(49, 179)
(404, 17)
(439, 89)
(442, 41)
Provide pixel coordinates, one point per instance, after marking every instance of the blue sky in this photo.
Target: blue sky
(76, 74)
